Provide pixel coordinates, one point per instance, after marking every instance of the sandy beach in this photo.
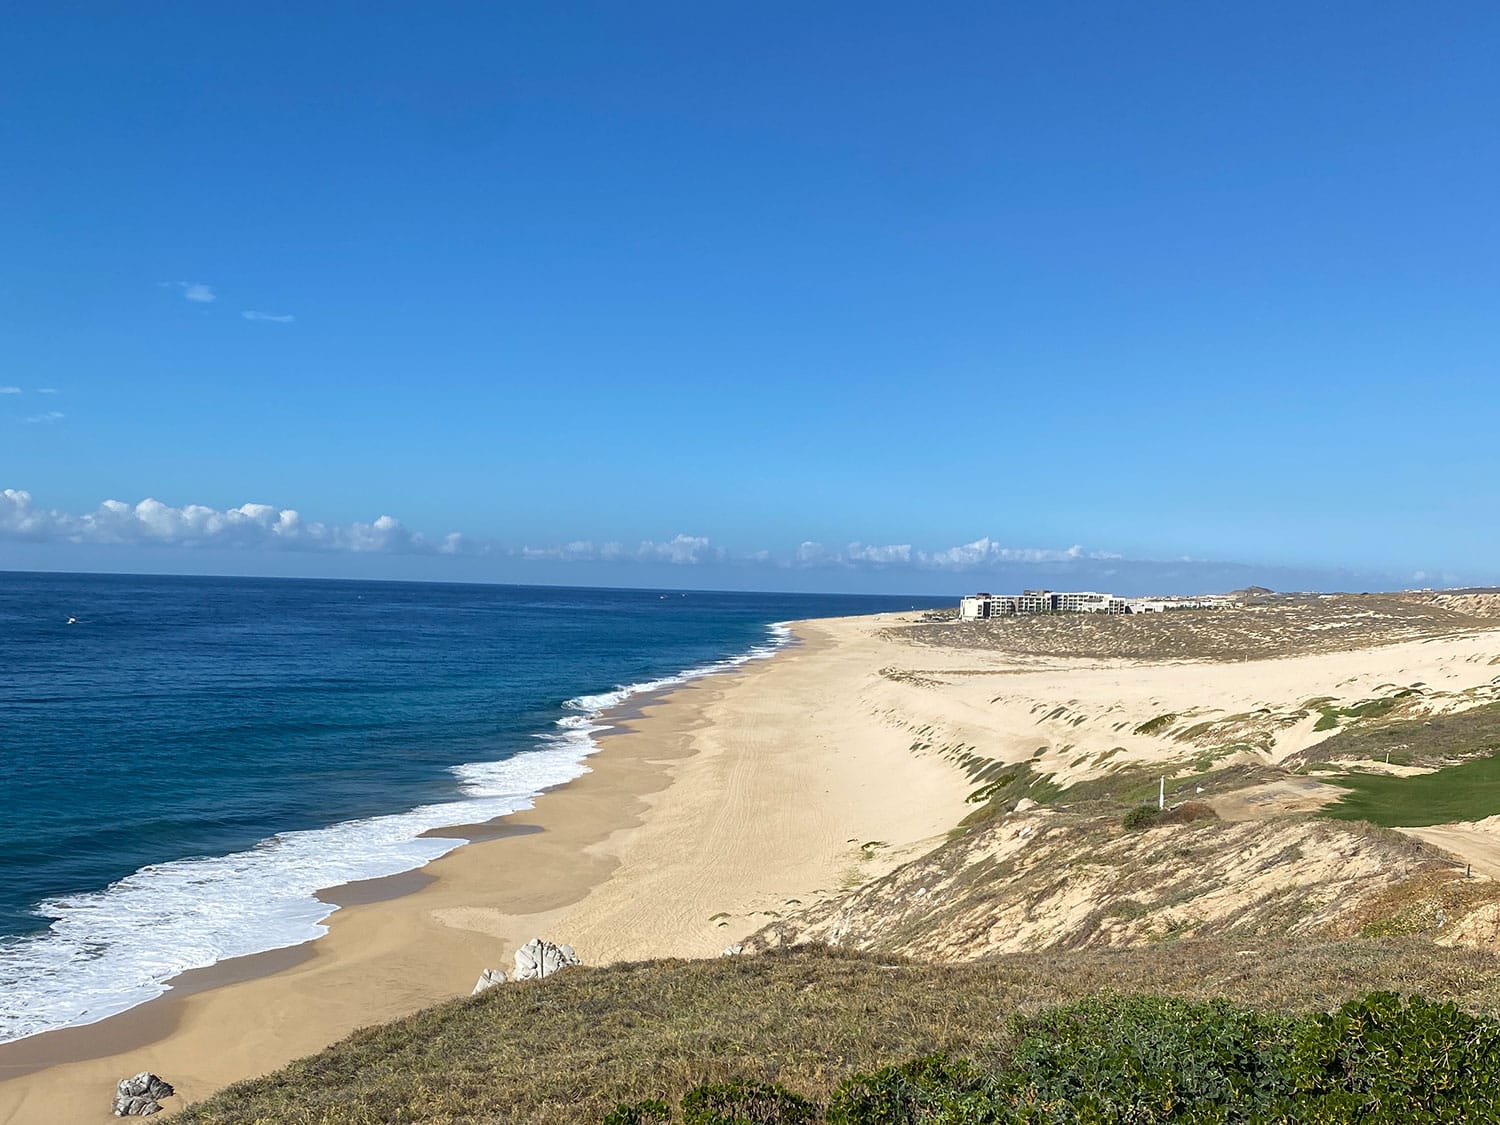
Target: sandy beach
(714, 807)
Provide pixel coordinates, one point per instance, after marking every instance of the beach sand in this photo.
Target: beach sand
(716, 805)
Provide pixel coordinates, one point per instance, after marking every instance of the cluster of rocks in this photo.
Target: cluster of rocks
(534, 960)
(488, 979)
(141, 1095)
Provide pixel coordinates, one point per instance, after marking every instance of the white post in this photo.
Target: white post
(1161, 798)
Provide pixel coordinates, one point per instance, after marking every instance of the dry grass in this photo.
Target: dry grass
(565, 1051)
(1284, 626)
(1187, 812)
(1433, 741)
(1071, 877)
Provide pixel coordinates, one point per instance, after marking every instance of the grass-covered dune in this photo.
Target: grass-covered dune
(571, 1048)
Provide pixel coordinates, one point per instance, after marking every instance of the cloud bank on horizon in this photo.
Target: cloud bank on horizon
(267, 529)
(252, 525)
(115, 522)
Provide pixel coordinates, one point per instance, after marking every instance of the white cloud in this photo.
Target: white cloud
(266, 526)
(580, 550)
(811, 554)
(20, 520)
(681, 550)
(197, 291)
(249, 525)
(968, 556)
(251, 314)
(45, 418)
(894, 553)
(10, 390)
(986, 551)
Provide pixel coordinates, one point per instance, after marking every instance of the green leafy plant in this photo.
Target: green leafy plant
(638, 1113)
(1377, 1059)
(746, 1103)
(916, 1091)
(1140, 817)
(1161, 722)
(1149, 1058)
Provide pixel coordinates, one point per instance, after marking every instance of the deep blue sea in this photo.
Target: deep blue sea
(189, 760)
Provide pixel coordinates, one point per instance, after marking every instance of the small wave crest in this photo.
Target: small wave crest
(107, 951)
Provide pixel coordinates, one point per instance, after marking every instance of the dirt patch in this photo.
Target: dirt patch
(1276, 798)
(1477, 843)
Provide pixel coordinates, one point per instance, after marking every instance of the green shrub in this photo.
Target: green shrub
(1151, 726)
(746, 1103)
(638, 1113)
(1140, 817)
(913, 1092)
(1149, 1058)
(1377, 1060)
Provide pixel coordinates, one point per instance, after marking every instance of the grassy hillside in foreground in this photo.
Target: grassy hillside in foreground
(567, 1050)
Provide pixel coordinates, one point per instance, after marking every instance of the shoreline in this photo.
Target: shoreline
(583, 720)
(399, 943)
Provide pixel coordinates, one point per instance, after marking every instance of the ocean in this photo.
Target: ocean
(185, 761)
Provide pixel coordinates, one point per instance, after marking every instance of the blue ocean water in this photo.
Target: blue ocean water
(190, 759)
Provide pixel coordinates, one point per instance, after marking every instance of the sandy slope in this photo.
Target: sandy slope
(1477, 843)
(1074, 717)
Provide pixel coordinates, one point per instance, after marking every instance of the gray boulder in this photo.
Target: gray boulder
(141, 1095)
(537, 959)
(732, 950)
(136, 1107)
(488, 979)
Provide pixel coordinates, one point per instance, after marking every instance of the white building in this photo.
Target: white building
(1163, 605)
(979, 607)
(1088, 601)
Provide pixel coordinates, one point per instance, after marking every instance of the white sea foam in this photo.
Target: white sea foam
(110, 950)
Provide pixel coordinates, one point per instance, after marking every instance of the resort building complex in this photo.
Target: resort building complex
(982, 606)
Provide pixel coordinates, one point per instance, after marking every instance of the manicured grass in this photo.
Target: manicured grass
(1467, 792)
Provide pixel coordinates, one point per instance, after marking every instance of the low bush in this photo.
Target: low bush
(1187, 813)
(746, 1103)
(1376, 1059)
(1140, 817)
(639, 1113)
(914, 1091)
(1150, 1059)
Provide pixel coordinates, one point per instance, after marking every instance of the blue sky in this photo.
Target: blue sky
(754, 295)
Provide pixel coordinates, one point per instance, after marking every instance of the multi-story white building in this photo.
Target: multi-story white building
(982, 606)
(1035, 601)
(1162, 605)
(1088, 601)
(978, 607)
